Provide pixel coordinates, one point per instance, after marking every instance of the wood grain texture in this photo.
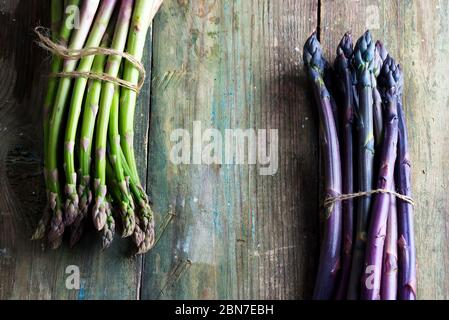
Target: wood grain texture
(27, 271)
(236, 234)
(416, 35)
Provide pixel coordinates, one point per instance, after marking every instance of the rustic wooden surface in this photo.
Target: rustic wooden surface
(235, 234)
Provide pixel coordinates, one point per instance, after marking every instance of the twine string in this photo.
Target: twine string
(331, 200)
(69, 54)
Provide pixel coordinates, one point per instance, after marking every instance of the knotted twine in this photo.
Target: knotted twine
(69, 54)
(331, 200)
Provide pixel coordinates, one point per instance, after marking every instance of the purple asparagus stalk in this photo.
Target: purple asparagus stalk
(343, 70)
(379, 58)
(364, 66)
(329, 263)
(371, 277)
(354, 87)
(389, 284)
(407, 258)
(330, 82)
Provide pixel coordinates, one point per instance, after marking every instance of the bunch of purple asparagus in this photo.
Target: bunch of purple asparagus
(367, 250)
(89, 163)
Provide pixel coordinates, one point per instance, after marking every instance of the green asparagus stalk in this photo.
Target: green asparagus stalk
(363, 59)
(56, 18)
(144, 12)
(87, 14)
(90, 110)
(107, 95)
(125, 202)
(62, 36)
(85, 65)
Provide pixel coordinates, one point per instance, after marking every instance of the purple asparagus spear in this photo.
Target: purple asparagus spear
(379, 58)
(364, 66)
(343, 70)
(407, 257)
(389, 284)
(330, 82)
(329, 263)
(371, 276)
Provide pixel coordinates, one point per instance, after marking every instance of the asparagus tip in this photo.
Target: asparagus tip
(84, 196)
(42, 226)
(108, 230)
(364, 59)
(381, 50)
(99, 213)
(313, 56)
(144, 237)
(55, 243)
(138, 236)
(71, 206)
(345, 46)
(56, 226)
(390, 78)
(129, 221)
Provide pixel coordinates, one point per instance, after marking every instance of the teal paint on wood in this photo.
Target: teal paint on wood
(236, 234)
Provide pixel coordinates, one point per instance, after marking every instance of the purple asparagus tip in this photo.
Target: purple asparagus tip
(313, 54)
(345, 46)
(390, 78)
(364, 58)
(344, 54)
(383, 53)
(380, 55)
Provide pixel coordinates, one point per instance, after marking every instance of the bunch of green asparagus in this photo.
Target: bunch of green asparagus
(89, 162)
(368, 247)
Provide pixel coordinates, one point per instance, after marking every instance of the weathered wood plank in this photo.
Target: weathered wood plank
(236, 234)
(416, 34)
(26, 270)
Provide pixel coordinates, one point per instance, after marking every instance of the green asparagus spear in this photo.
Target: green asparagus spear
(56, 64)
(125, 202)
(77, 40)
(85, 65)
(90, 110)
(107, 95)
(144, 12)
